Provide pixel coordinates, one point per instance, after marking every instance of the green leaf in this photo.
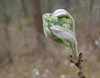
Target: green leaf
(59, 27)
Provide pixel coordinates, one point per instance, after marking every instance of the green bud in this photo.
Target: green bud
(59, 27)
(66, 23)
(53, 20)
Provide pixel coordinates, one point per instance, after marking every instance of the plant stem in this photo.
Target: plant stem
(81, 72)
(78, 64)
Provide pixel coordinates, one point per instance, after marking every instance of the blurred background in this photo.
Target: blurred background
(26, 53)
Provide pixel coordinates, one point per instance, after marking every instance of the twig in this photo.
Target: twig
(78, 64)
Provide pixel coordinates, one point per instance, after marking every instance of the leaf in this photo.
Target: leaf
(59, 26)
(61, 13)
(68, 36)
(63, 33)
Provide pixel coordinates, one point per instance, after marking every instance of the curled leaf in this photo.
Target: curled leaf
(67, 36)
(59, 26)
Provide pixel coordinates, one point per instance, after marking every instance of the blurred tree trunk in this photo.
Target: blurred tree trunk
(37, 16)
(99, 12)
(38, 26)
(7, 19)
(24, 8)
(90, 25)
